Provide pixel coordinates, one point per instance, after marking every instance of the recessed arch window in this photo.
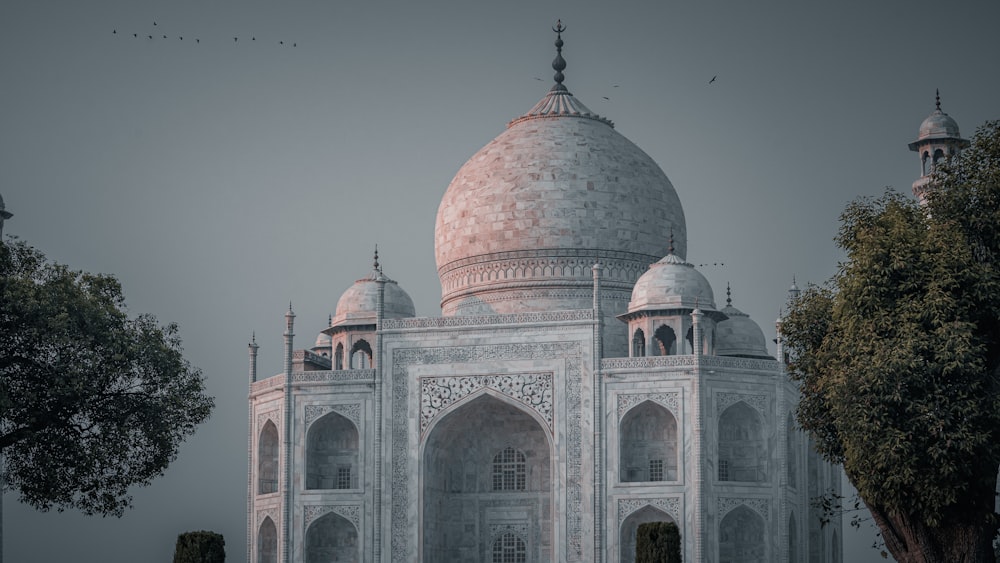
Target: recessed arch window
(332, 453)
(267, 542)
(338, 357)
(742, 448)
(666, 341)
(742, 536)
(267, 460)
(331, 538)
(639, 343)
(361, 355)
(509, 470)
(648, 444)
(509, 548)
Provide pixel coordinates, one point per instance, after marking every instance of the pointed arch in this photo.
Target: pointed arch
(742, 537)
(630, 526)
(267, 459)
(332, 447)
(742, 446)
(647, 442)
(481, 442)
(666, 341)
(338, 357)
(267, 542)
(638, 343)
(361, 355)
(331, 538)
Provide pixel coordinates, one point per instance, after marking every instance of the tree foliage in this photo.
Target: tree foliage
(658, 542)
(899, 359)
(92, 401)
(200, 547)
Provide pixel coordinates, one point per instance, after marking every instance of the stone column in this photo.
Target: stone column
(286, 513)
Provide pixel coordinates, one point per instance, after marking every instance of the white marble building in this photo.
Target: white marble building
(582, 380)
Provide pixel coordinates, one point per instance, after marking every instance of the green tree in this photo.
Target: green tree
(92, 401)
(899, 360)
(658, 542)
(200, 547)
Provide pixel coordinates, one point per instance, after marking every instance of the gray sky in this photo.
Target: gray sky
(220, 179)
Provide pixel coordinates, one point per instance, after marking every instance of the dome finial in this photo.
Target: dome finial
(559, 63)
(375, 264)
(670, 249)
(937, 99)
(729, 295)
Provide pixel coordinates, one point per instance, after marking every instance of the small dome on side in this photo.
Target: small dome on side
(323, 340)
(672, 283)
(739, 335)
(357, 305)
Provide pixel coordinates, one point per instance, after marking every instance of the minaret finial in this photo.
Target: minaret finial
(4, 215)
(729, 295)
(376, 265)
(559, 63)
(670, 249)
(937, 99)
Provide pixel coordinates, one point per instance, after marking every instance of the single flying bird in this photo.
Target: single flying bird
(713, 79)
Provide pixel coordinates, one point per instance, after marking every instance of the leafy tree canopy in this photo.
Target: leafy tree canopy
(91, 400)
(899, 359)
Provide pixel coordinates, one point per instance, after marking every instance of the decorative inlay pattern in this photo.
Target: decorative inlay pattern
(345, 375)
(351, 512)
(747, 364)
(569, 352)
(533, 390)
(725, 400)
(266, 513)
(489, 320)
(351, 411)
(668, 400)
(670, 505)
(725, 505)
(264, 416)
(520, 530)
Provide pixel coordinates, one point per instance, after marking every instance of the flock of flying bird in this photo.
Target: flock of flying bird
(157, 35)
(616, 85)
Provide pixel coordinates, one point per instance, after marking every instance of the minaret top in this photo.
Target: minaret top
(559, 63)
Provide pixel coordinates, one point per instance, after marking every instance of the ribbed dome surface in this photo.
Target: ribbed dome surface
(358, 304)
(740, 336)
(672, 283)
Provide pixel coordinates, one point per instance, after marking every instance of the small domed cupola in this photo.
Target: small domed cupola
(739, 335)
(659, 313)
(937, 140)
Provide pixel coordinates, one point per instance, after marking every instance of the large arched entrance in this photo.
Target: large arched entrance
(630, 527)
(487, 476)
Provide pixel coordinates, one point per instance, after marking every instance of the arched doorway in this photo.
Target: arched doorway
(742, 537)
(648, 444)
(486, 467)
(332, 538)
(332, 453)
(267, 542)
(630, 526)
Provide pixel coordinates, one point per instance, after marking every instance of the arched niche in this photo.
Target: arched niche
(332, 446)
(267, 459)
(665, 340)
(742, 447)
(332, 538)
(338, 357)
(361, 355)
(792, 448)
(470, 456)
(630, 527)
(638, 343)
(742, 537)
(647, 442)
(267, 542)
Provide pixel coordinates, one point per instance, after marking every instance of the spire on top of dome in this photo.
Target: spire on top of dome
(375, 264)
(729, 295)
(937, 99)
(559, 102)
(559, 63)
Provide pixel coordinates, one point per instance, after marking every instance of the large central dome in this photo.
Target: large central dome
(560, 189)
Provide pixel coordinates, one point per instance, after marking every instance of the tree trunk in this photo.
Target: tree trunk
(910, 540)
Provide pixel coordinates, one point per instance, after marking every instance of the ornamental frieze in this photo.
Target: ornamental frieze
(670, 401)
(669, 505)
(725, 400)
(725, 505)
(533, 390)
(351, 512)
(351, 411)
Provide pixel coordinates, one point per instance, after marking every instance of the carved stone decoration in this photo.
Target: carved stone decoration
(725, 400)
(727, 504)
(569, 352)
(640, 362)
(670, 401)
(490, 320)
(335, 376)
(533, 390)
(351, 411)
(271, 513)
(263, 417)
(520, 530)
(351, 512)
(670, 505)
